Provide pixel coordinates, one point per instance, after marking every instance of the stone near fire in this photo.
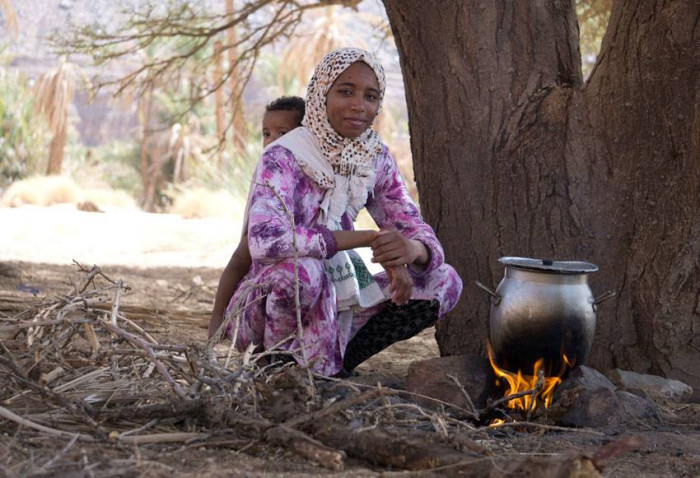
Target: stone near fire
(586, 378)
(430, 377)
(653, 385)
(605, 408)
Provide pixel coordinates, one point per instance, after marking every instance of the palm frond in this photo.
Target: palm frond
(11, 19)
(54, 93)
(329, 28)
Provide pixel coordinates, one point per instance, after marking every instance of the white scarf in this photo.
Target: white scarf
(354, 285)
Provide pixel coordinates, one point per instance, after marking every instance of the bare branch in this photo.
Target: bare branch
(164, 41)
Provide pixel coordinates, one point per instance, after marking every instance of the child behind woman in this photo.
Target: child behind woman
(281, 116)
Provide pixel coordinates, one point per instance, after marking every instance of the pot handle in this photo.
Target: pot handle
(490, 292)
(603, 297)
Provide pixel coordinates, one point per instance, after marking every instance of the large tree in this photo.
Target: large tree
(516, 155)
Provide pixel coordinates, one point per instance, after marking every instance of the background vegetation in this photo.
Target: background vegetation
(200, 85)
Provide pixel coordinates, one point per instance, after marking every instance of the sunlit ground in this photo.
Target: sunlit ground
(61, 233)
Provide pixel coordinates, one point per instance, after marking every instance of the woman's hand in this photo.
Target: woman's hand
(391, 249)
(400, 284)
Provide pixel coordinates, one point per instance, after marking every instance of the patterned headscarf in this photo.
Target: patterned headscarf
(350, 157)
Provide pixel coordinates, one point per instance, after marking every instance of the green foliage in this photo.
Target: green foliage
(174, 105)
(280, 83)
(237, 173)
(24, 135)
(120, 163)
(175, 42)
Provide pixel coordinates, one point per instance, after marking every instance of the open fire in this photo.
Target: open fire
(530, 389)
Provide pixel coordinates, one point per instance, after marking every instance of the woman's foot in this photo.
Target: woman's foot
(346, 373)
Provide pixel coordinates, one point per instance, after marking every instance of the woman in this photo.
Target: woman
(323, 174)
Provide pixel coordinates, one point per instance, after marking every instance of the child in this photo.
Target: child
(281, 116)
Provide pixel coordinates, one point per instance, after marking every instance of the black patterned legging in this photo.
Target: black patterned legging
(391, 325)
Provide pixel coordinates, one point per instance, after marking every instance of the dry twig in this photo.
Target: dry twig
(105, 382)
(7, 414)
(466, 396)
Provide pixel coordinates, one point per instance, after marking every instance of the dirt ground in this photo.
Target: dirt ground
(188, 294)
(175, 302)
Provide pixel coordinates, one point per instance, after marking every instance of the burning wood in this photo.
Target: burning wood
(529, 390)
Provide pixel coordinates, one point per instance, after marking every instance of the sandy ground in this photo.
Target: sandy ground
(60, 234)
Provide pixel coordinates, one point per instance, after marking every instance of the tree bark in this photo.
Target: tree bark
(145, 115)
(57, 148)
(219, 104)
(239, 132)
(515, 155)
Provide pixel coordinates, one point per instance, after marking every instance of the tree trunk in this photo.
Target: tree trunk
(145, 115)
(219, 104)
(237, 119)
(57, 148)
(514, 155)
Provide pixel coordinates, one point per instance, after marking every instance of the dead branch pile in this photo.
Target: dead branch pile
(76, 367)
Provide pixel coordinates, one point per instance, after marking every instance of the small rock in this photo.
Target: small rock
(88, 206)
(9, 270)
(602, 408)
(653, 385)
(638, 408)
(81, 345)
(586, 378)
(430, 378)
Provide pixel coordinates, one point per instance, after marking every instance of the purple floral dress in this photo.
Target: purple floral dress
(268, 313)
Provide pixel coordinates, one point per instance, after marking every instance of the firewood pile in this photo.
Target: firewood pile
(75, 367)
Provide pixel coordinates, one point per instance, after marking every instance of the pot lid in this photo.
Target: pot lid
(545, 265)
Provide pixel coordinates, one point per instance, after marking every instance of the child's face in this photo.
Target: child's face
(277, 123)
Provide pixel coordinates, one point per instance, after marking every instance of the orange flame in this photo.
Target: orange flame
(496, 423)
(522, 383)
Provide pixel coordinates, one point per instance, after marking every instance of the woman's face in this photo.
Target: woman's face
(352, 102)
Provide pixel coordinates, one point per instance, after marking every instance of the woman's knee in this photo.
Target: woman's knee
(310, 278)
(454, 281)
(449, 287)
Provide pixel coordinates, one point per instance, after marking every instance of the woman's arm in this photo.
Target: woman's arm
(405, 237)
(235, 270)
(346, 240)
(400, 282)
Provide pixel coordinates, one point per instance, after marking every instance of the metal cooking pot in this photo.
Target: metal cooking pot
(542, 309)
